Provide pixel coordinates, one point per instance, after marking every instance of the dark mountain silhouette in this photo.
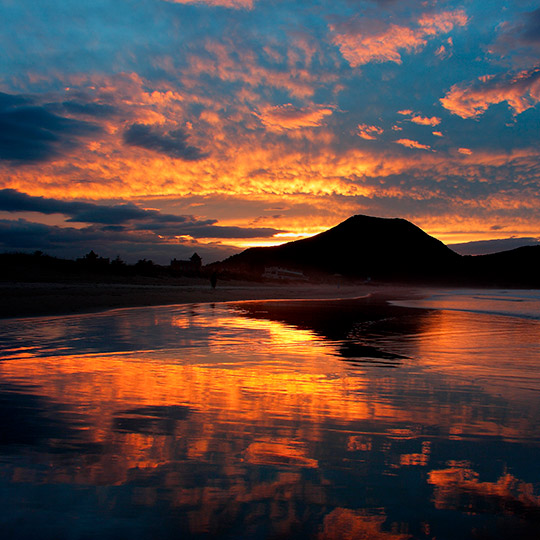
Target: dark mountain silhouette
(361, 247)
(364, 247)
(518, 267)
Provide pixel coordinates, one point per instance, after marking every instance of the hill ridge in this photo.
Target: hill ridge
(366, 247)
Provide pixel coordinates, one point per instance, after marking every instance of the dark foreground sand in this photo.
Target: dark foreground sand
(34, 299)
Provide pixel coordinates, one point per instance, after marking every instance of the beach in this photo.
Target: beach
(36, 299)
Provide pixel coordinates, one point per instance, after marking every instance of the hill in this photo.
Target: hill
(388, 250)
(518, 267)
(361, 247)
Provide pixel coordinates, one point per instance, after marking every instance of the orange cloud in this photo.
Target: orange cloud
(369, 132)
(409, 143)
(520, 90)
(445, 51)
(426, 121)
(234, 4)
(419, 119)
(465, 151)
(289, 161)
(284, 117)
(442, 23)
(231, 63)
(363, 41)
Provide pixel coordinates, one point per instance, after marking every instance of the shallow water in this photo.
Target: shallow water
(512, 303)
(284, 419)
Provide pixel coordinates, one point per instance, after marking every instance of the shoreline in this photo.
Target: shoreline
(22, 300)
(39, 299)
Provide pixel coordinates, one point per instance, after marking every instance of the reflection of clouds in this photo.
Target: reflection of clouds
(255, 394)
(271, 452)
(459, 486)
(346, 524)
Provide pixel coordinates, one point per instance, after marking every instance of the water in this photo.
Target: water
(512, 303)
(286, 419)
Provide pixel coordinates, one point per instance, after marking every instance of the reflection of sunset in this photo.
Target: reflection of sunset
(479, 350)
(456, 484)
(345, 524)
(232, 413)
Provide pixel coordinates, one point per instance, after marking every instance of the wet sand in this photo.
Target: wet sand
(35, 299)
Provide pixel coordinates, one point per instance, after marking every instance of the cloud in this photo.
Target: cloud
(445, 51)
(520, 90)
(241, 61)
(125, 217)
(369, 132)
(97, 110)
(31, 133)
(234, 4)
(15, 201)
(409, 143)
(417, 118)
(426, 121)
(172, 143)
(363, 40)
(519, 39)
(23, 235)
(530, 27)
(465, 151)
(284, 117)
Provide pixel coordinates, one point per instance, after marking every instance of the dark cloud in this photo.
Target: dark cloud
(108, 241)
(530, 27)
(202, 229)
(30, 133)
(23, 234)
(483, 247)
(14, 201)
(520, 39)
(171, 143)
(97, 110)
(116, 218)
(217, 231)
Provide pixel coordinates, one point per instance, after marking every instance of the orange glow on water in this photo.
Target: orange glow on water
(460, 481)
(255, 394)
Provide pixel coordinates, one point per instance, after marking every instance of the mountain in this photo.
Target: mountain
(364, 247)
(518, 267)
(361, 247)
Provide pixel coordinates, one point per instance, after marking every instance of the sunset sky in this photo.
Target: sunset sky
(156, 128)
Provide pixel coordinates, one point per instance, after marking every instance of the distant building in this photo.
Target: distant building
(191, 266)
(278, 273)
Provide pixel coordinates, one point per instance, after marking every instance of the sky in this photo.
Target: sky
(156, 128)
